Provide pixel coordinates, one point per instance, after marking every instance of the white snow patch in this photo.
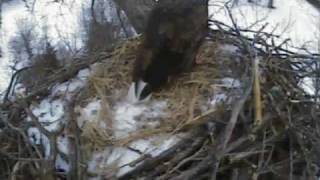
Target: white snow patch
(122, 157)
(152, 146)
(62, 164)
(308, 85)
(125, 118)
(162, 143)
(217, 99)
(67, 88)
(36, 137)
(83, 74)
(229, 48)
(220, 95)
(49, 113)
(74, 85)
(130, 117)
(230, 82)
(89, 113)
(63, 144)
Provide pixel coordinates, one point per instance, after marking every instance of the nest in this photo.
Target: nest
(187, 95)
(221, 140)
(281, 146)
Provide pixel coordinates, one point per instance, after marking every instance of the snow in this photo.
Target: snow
(69, 87)
(229, 49)
(307, 85)
(221, 88)
(63, 144)
(59, 21)
(127, 118)
(61, 164)
(53, 17)
(34, 135)
(50, 114)
(84, 74)
(89, 113)
(126, 114)
(125, 121)
(294, 19)
(122, 157)
(7, 30)
(230, 82)
(37, 138)
(45, 16)
(218, 98)
(148, 148)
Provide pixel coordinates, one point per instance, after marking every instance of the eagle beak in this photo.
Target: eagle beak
(139, 92)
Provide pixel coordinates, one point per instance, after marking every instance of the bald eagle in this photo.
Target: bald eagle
(173, 33)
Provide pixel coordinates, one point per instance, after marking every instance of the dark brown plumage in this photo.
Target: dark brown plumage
(173, 34)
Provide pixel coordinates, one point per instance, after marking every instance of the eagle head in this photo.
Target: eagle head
(151, 70)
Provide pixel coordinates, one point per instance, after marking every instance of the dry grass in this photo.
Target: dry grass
(187, 95)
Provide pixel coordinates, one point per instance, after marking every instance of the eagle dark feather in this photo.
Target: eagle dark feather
(173, 34)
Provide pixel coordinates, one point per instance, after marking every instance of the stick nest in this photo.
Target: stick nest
(187, 95)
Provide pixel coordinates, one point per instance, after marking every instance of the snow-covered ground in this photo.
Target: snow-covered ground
(61, 22)
(8, 28)
(294, 19)
(51, 113)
